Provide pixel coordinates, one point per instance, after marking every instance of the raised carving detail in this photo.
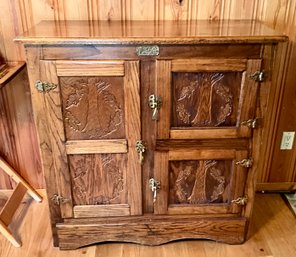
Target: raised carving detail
(93, 107)
(196, 182)
(202, 99)
(96, 179)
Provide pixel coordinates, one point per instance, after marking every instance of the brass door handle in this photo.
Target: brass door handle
(154, 186)
(155, 104)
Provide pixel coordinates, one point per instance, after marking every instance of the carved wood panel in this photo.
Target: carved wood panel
(93, 107)
(199, 182)
(98, 178)
(205, 99)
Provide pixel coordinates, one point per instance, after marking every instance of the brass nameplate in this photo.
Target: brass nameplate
(148, 50)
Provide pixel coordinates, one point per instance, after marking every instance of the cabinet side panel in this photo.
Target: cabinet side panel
(56, 134)
(38, 104)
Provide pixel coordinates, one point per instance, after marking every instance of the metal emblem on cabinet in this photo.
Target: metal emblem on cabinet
(152, 50)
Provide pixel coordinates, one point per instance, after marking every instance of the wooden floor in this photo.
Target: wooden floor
(273, 234)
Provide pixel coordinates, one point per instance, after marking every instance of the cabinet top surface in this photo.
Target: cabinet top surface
(150, 32)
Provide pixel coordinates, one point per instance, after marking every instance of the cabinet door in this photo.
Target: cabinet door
(94, 122)
(206, 98)
(199, 181)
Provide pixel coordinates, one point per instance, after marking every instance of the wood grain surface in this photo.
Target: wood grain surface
(272, 223)
(159, 32)
(18, 16)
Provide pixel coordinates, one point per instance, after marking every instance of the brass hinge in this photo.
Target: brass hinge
(43, 86)
(258, 76)
(251, 123)
(57, 199)
(246, 163)
(150, 50)
(241, 200)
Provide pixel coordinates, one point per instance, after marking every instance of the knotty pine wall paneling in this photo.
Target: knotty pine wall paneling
(17, 16)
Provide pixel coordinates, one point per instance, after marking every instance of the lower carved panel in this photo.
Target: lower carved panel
(199, 182)
(98, 178)
(149, 230)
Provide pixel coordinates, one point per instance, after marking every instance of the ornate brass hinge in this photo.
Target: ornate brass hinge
(246, 163)
(155, 104)
(241, 200)
(57, 199)
(258, 76)
(251, 123)
(43, 86)
(151, 50)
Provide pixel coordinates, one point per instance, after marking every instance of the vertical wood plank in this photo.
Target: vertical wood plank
(24, 147)
(45, 147)
(163, 83)
(133, 133)
(56, 134)
(161, 172)
(176, 9)
(140, 10)
(148, 129)
(208, 10)
(272, 89)
(249, 95)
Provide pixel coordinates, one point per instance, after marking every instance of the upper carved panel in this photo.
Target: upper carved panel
(98, 178)
(93, 107)
(205, 99)
(198, 182)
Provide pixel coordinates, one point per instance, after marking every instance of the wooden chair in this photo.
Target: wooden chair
(14, 201)
(7, 72)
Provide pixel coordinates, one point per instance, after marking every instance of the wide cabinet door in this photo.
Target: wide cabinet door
(206, 98)
(203, 137)
(93, 119)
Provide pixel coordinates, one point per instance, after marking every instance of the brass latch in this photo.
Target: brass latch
(140, 148)
(155, 104)
(43, 86)
(246, 163)
(154, 186)
(251, 123)
(57, 199)
(258, 76)
(240, 201)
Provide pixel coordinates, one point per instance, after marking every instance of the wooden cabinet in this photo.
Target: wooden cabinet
(150, 132)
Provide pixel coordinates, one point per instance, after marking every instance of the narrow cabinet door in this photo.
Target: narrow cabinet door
(93, 114)
(206, 98)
